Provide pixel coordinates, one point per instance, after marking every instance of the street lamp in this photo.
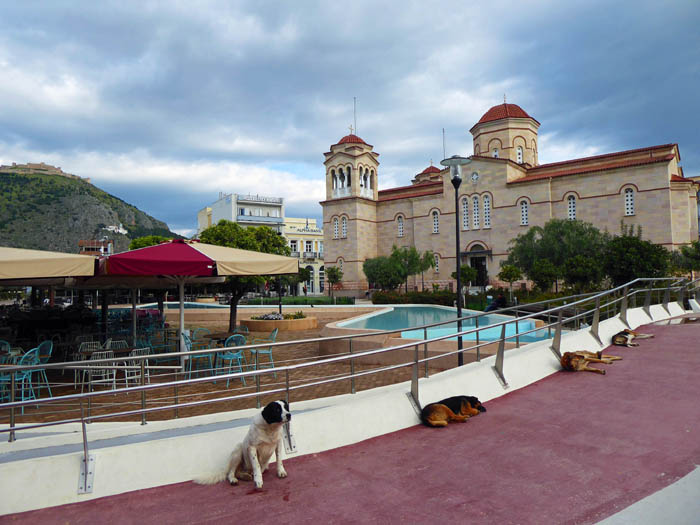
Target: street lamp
(455, 162)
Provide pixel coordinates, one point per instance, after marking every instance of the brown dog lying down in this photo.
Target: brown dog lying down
(625, 337)
(457, 408)
(578, 361)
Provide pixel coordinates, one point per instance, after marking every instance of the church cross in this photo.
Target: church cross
(350, 129)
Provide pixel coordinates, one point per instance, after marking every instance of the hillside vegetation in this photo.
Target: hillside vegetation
(51, 212)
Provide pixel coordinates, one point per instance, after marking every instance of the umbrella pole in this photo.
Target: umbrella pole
(133, 316)
(181, 287)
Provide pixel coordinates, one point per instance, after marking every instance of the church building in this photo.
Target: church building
(504, 192)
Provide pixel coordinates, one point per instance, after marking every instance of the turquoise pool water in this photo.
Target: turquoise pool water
(411, 316)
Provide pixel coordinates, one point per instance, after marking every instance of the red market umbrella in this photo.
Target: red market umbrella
(185, 261)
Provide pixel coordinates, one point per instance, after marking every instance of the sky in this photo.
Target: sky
(166, 104)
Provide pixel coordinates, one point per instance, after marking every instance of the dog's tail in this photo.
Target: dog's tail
(212, 479)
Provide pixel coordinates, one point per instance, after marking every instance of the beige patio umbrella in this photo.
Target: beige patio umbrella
(19, 263)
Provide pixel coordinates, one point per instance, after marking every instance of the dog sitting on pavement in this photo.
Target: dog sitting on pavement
(250, 458)
(578, 361)
(456, 408)
(625, 337)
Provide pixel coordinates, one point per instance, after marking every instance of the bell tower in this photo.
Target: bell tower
(351, 169)
(350, 210)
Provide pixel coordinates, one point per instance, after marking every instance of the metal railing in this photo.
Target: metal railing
(574, 312)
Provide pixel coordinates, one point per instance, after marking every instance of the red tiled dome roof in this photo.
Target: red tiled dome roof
(504, 111)
(354, 139)
(430, 169)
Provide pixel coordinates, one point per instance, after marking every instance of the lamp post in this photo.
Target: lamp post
(455, 162)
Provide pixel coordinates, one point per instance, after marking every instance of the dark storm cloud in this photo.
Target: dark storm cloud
(165, 95)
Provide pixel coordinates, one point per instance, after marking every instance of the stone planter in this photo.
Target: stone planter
(257, 325)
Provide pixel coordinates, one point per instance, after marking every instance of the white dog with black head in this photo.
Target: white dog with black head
(251, 457)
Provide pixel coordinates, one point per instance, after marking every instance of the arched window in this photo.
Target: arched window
(335, 228)
(321, 278)
(344, 227)
(340, 264)
(437, 263)
(494, 153)
(347, 174)
(629, 201)
(520, 154)
(399, 226)
(487, 211)
(361, 178)
(334, 180)
(465, 213)
(310, 282)
(436, 222)
(524, 213)
(476, 220)
(571, 202)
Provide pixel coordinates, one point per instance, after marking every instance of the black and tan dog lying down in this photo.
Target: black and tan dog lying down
(456, 408)
(578, 361)
(625, 337)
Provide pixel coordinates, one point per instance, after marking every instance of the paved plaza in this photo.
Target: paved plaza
(571, 448)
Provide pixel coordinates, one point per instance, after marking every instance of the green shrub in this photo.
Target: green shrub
(442, 297)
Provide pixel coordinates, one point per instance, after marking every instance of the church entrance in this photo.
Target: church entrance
(477, 260)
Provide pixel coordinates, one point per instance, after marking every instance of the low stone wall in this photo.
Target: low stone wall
(283, 325)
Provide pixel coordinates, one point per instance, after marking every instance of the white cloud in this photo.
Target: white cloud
(552, 148)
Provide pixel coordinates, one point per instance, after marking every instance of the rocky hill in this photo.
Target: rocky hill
(54, 211)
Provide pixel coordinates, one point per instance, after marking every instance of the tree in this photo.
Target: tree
(427, 261)
(627, 257)
(510, 273)
(408, 261)
(556, 242)
(259, 239)
(333, 276)
(383, 272)
(582, 273)
(148, 240)
(467, 274)
(543, 273)
(690, 257)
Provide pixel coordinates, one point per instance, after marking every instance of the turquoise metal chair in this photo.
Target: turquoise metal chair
(225, 360)
(45, 349)
(23, 378)
(204, 358)
(264, 351)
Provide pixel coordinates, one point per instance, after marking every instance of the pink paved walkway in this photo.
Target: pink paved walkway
(572, 448)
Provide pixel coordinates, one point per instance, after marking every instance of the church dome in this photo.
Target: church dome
(502, 111)
(351, 139)
(430, 169)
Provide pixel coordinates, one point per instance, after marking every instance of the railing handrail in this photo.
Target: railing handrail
(253, 373)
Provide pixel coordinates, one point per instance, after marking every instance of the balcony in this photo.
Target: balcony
(295, 254)
(259, 219)
(310, 255)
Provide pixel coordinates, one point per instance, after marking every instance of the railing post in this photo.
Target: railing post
(647, 304)
(478, 347)
(623, 307)
(177, 398)
(13, 387)
(286, 381)
(556, 342)
(87, 469)
(414, 377)
(425, 351)
(498, 368)
(143, 392)
(517, 332)
(681, 297)
(596, 321)
(667, 299)
(257, 381)
(352, 371)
